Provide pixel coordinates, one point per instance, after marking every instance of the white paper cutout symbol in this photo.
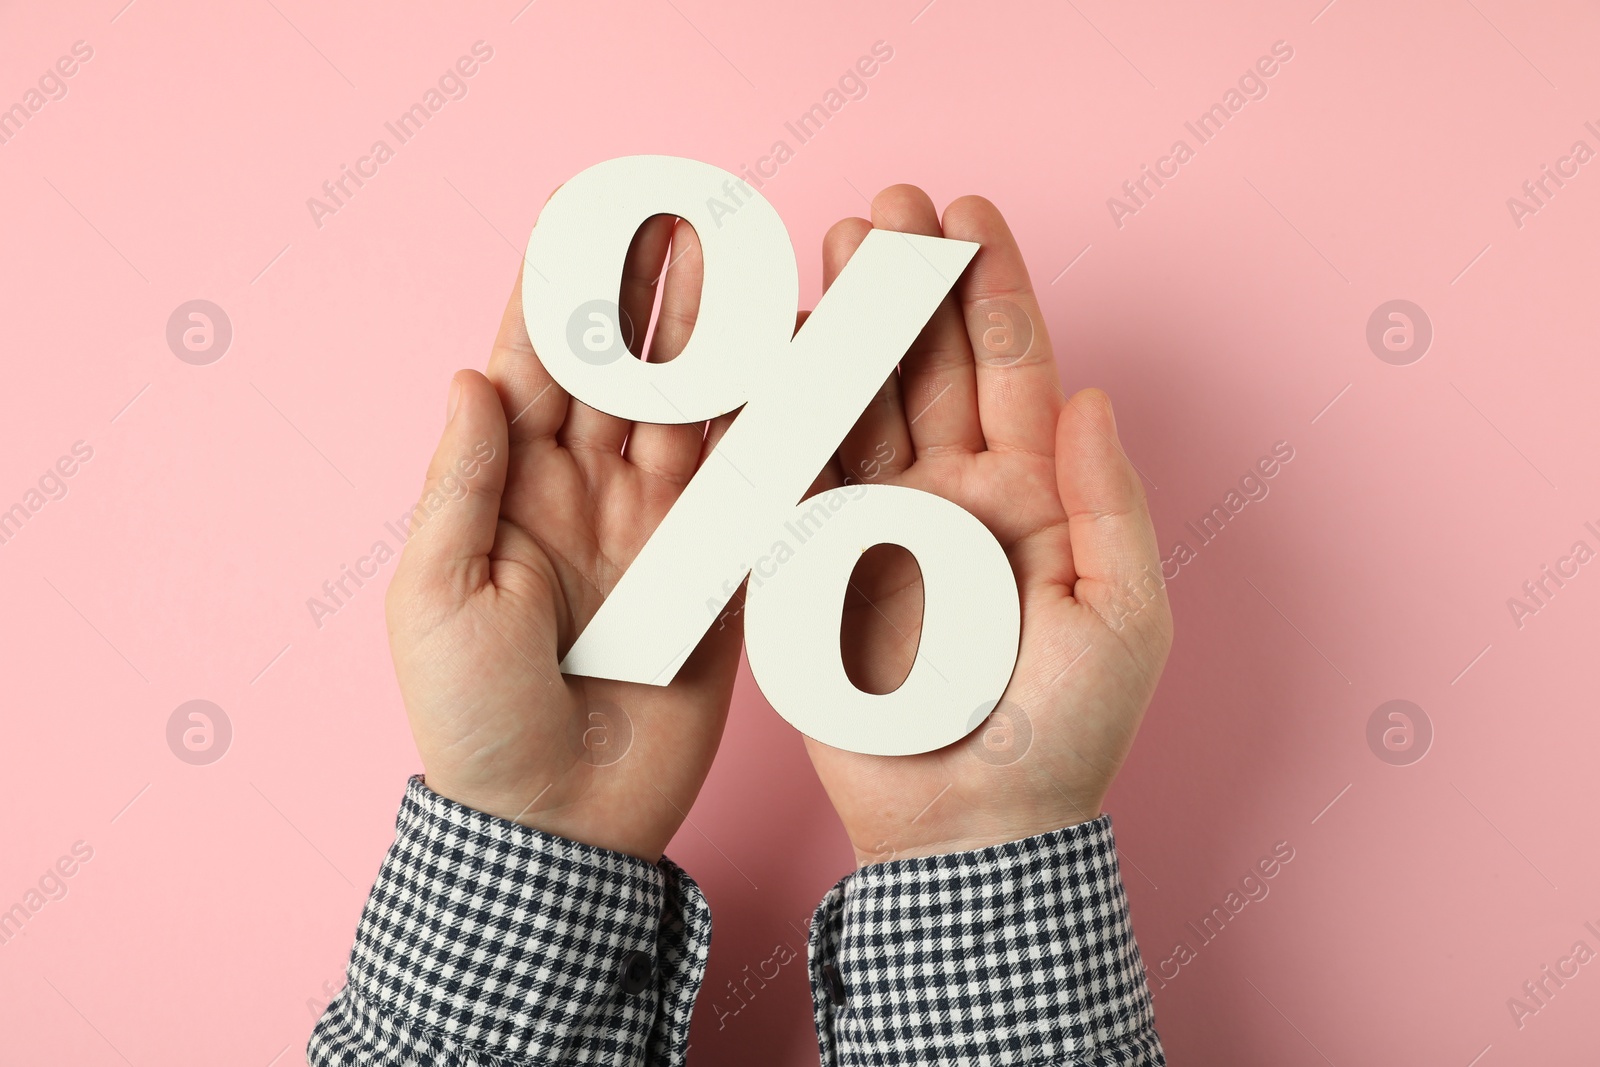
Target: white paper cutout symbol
(801, 392)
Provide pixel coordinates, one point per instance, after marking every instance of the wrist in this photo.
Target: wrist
(977, 837)
(489, 800)
(543, 810)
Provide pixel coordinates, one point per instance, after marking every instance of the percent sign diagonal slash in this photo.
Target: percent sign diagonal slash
(738, 515)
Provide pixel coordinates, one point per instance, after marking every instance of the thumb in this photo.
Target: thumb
(1113, 540)
(454, 521)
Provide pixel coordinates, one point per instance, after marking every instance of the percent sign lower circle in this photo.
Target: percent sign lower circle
(741, 515)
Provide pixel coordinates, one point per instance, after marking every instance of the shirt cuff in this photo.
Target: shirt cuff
(1022, 952)
(485, 941)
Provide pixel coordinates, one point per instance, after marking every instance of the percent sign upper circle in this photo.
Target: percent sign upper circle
(740, 515)
(747, 301)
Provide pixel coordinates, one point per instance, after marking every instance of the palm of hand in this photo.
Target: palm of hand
(1052, 749)
(499, 650)
(1092, 643)
(495, 587)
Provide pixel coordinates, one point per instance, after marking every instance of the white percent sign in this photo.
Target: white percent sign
(800, 393)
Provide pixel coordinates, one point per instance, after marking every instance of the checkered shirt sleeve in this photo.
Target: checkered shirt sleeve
(486, 943)
(1017, 954)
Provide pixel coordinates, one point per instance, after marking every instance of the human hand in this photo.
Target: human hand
(541, 503)
(978, 417)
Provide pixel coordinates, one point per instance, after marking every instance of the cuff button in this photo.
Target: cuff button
(636, 971)
(834, 984)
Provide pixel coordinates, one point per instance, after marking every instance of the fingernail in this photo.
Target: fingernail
(455, 398)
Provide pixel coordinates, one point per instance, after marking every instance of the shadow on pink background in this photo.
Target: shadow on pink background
(1226, 314)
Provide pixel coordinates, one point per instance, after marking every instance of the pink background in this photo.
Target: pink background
(1228, 314)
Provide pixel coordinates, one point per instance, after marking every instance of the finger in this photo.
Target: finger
(1113, 540)
(671, 452)
(879, 444)
(641, 273)
(938, 382)
(1019, 389)
(534, 404)
(452, 527)
(589, 429)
